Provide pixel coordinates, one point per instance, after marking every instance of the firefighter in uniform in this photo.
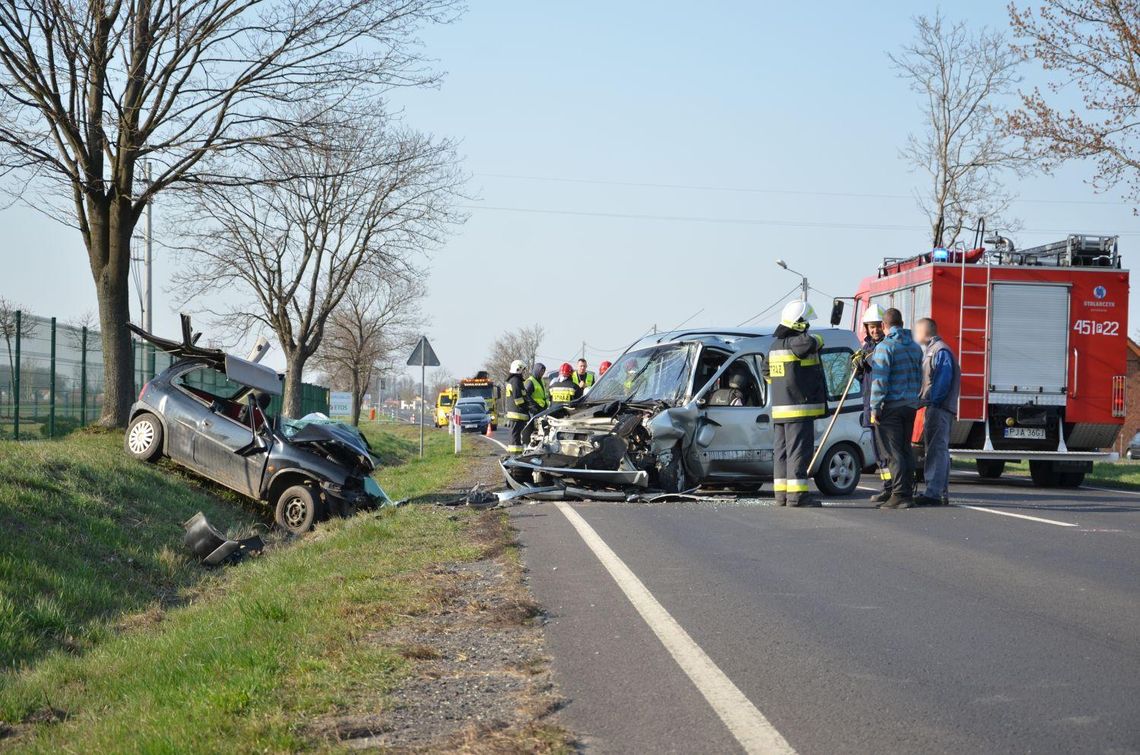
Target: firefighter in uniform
(873, 332)
(583, 379)
(534, 392)
(798, 398)
(515, 400)
(563, 389)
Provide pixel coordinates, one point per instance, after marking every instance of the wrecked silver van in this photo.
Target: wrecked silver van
(658, 420)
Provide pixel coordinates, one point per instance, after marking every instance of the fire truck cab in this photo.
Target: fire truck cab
(1041, 338)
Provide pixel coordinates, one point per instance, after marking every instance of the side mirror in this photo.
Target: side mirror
(836, 312)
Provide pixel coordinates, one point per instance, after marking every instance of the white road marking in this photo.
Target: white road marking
(752, 730)
(1111, 490)
(488, 437)
(1016, 516)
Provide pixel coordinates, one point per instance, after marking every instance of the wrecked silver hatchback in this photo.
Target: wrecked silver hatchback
(682, 410)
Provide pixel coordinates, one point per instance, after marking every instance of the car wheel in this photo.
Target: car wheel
(1044, 474)
(144, 437)
(671, 477)
(494, 428)
(839, 470)
(990, 469)
(296, 509)
(1070, 479)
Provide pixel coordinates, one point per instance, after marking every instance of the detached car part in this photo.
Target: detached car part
(212, 547)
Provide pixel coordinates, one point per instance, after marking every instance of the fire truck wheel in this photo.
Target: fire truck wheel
(990, 469)
(1044, 474)
(1071, 479)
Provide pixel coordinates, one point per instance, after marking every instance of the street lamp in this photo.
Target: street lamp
(803, 279)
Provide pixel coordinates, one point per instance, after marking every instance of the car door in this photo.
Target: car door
(184, 412)
(734, 442)
(225, 451)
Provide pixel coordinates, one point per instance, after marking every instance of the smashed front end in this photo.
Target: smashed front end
(617, 447)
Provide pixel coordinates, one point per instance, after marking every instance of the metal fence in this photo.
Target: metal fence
(51, 377)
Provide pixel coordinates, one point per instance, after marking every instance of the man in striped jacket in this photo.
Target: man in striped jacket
(896, 370)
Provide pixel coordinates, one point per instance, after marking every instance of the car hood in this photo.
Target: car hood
(334, 438)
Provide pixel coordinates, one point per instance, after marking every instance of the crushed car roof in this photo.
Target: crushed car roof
(252, 374)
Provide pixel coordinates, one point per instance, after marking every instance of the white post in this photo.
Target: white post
(458, 430)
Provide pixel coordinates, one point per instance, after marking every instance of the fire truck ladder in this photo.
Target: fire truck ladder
(974, 363)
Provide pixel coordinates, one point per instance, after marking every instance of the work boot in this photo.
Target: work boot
(780, 502)
(806, 501)
(927, 500)
(881, 497)
(888, 504)
(901, 502)
(944, 500)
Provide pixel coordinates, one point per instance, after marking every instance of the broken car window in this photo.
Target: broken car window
(659, 373)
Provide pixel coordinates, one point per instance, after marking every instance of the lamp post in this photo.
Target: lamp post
(803, 279)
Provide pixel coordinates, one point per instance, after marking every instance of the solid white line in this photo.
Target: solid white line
(1017, 516)
(752, 730)
(1110, 490)
(488, 437)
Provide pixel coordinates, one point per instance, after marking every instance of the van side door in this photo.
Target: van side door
(734, 442)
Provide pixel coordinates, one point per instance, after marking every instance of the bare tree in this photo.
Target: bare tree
(9, 329)
(375, 321)
(960, 74)
(88, 89)
(522, 343)
(1094, 45)
(368, 203)
(441, 380)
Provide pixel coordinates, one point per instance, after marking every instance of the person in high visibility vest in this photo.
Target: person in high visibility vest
(798, 397)
(563, 390)
(517, 413)
(537, 399)
(582, 378)
(873, 334)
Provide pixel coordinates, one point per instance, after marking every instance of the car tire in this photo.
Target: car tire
(990, 469)
(494, 428)
(143, 439)
(839, 470)
(1044, 474)
(671, 477)
(296, 509)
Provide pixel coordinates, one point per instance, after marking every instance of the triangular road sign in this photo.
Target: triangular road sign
(423, 355)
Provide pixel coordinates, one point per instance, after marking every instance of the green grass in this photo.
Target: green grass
(89, 533)
(274, 642)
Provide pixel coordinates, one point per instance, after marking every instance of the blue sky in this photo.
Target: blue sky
(566, 113)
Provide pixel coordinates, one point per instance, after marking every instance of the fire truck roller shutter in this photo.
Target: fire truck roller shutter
(1030, 341)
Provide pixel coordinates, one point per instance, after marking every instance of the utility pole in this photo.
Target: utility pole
(583, 349)
(148, 296)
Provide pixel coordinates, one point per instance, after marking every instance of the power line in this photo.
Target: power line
(754, 190)
(741, 221)
(765, 311)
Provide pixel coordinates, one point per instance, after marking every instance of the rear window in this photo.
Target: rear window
(207, 380)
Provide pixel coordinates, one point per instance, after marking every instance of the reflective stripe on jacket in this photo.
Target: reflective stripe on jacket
(515, 399)
(793, 368)
(562, 391)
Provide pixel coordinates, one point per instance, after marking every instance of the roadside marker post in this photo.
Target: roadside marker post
(425, 357)
(458, 430)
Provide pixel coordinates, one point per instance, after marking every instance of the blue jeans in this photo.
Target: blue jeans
(936, 438)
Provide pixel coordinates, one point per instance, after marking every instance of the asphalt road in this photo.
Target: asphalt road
(851, 629)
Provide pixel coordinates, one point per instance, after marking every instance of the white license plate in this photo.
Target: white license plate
(1028, 433)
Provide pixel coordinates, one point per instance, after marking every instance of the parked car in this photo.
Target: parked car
(1133, 451)
(652, 421)
(473, 414)
(207, 412)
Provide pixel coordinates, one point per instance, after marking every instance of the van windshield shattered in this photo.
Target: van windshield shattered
(659, 373)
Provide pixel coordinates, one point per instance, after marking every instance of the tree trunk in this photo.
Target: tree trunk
(294, 369)
(109, 243)
(357, 398)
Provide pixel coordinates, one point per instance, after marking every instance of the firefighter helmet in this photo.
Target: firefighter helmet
(565, 370)
(603, 367)
(874, 313)
(517, 367)
(796, 315)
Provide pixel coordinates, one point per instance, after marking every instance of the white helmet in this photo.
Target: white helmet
(874, 313)
(517, 367)
(796, 314)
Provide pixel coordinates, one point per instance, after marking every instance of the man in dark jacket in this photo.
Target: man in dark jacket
(873, 333)
(896, 378)
(798, 397)
(941, 379)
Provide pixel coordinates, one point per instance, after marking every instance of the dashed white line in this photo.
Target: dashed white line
(1016, 516)
(752, 730)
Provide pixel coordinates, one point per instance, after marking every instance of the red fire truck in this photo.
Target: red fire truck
(1041, 336)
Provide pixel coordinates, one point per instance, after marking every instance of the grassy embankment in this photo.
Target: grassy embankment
(123, 645)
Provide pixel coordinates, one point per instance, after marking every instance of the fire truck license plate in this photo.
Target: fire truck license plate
(1029, 433)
